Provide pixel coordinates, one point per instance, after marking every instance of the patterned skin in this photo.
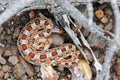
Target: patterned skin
(34, 43)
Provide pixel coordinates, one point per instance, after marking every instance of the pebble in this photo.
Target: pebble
(104, 19)
(2, 60)
(5, 68)
(101, 26)
(18, 71)
(8, 37)
(1, 29)
(108, 27)
(16, 32)
(99, 13)
(14, 50)
(8, 30)
(117, 69)
(13, 60)
(1, 73)
(39, 74)
(93, 41)
(31, 14)
(28, 68)
(6, 75)
(1, 50)
(37, 69)
(108, 11)
(8, 52)
(57, 39)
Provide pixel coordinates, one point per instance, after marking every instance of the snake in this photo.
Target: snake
(34, 44)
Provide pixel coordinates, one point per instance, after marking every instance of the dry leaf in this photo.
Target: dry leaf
(85, 68)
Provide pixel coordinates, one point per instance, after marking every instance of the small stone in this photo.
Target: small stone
(6, 75)
(31, 14)
(37, 69)
(14, 50)
(1, 73)
(7, 53)
(1, 50)
(2, 60)
(5, 68)
(60, 68)
(8, 37)
(1, 29)
(93, 41)
(118, 61)
(109, 27)
(108, 11)
(117, 69)
(18, 71)
(57, 39)
(2, 45)
(28, 68)
(13, 60)
(99, 13)
(101, 26)
(16, 32)
(8, 30)
(104, 19)
(39, 74)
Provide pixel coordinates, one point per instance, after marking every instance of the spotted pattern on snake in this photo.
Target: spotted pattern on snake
(34, 43)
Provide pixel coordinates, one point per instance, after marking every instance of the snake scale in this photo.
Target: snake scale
(34, 43)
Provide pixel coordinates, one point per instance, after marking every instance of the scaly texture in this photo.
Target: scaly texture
(34, 43)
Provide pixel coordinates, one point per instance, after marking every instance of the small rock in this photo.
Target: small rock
(14, 50)
(60, 68)
(28, 68)
(118, 61)
(101, 26)
(104, 19)
(1, 73)
(99, 13)
(31, 14)
(108, 11)
(117, 69)
(8, 30)
(16, 32)
(6, 75)
(24, 77)
(85, 33)
(1, 50)
(2, 45)
(57, 39)
(18, 71)
(1, 29)
(8, 38)
(39, 74)
(2, 60)
(93, 41)
(8, 52)
(5, 68)
(13, 60)
(109, 26)
(37, 69)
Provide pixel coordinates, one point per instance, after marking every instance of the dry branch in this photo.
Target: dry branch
(80, 18)
(13, 9)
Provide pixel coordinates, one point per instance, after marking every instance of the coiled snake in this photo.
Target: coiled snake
(34, 43)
